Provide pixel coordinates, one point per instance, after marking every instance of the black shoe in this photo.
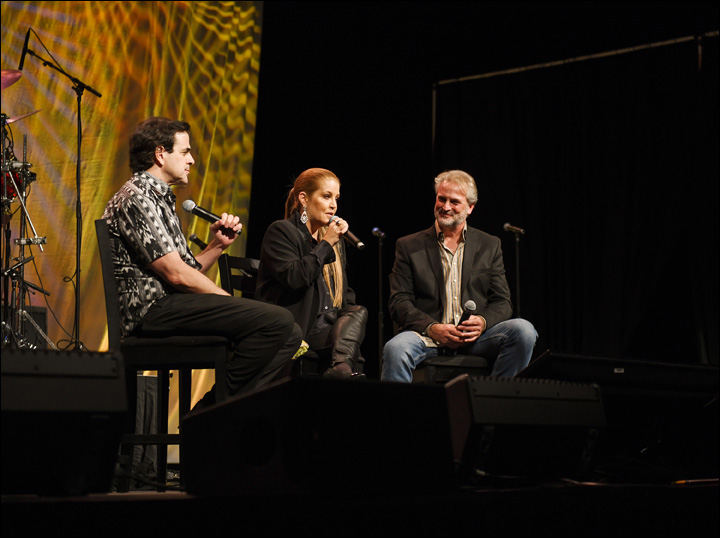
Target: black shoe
(339, 371)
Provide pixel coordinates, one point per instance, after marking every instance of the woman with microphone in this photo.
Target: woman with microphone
(302, 267)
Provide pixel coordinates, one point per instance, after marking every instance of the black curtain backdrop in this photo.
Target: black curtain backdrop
(611, 166)
(606, 167)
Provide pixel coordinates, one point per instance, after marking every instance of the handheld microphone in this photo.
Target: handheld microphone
(468, 310)
(514, 229)
(24, 51)
(349, 236)
(377, 232)
(192, 207)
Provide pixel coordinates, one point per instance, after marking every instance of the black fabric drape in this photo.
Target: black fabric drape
(611, 165)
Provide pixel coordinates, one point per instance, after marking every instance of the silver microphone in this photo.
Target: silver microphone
(192, 207)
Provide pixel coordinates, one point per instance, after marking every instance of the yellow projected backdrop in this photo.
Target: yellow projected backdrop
(195, 61)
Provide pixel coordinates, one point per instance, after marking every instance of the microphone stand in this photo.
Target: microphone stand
(380, 235)
(517, 274)
(79, 88)
(15, 286)
(7, 151)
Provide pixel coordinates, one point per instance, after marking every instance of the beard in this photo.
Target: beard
(455, 219)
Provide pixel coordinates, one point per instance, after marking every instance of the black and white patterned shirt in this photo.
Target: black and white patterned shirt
(143, 227)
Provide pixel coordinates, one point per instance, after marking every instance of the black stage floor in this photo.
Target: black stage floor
(473, 457)
(542, 509)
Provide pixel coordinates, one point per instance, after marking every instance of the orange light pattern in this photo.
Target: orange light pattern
(195, 61)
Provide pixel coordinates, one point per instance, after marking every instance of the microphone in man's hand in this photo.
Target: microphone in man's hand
(514, 229)
(24, 51)
(192, 207)
(349, 236)
(468, 310)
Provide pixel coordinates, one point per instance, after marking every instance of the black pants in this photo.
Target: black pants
(341, 342)
(265, 336)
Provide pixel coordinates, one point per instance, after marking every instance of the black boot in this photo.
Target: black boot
(347, 334)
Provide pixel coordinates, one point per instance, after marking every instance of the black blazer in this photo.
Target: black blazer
(417, 289)
(290, 270)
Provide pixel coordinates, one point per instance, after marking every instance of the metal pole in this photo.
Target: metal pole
(377, 232)
(517, 275)
(380, 307)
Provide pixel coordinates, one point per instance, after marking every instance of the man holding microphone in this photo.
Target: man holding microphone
(439, 275)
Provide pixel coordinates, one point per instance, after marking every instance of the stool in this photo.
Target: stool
(440, 369)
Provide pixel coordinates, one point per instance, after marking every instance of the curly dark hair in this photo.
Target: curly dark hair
(149, 135)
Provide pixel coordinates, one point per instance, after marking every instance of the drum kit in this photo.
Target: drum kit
(16, 182)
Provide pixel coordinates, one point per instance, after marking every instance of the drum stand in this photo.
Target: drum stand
(16, 176)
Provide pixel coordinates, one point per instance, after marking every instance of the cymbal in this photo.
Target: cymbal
(10, 77)
(17, 118)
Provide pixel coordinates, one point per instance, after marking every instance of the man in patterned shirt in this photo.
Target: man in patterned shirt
(162, 287)
(436, 271)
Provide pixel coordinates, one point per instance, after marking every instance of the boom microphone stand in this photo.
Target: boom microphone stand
(79, 88)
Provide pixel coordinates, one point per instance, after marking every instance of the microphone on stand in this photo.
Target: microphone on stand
(199, 242)
(192, 207)
(349, 236)
(514, 229)
(468, 310)
(12, 268)
(24, 51)
(377, 232)
(35, 287)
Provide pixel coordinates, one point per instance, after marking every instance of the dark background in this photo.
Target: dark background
(611, 165)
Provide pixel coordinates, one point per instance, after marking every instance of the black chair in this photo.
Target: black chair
(440, 369)
(240, 274)
(164, 354)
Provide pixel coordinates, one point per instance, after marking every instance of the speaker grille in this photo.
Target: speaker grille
(62, 417)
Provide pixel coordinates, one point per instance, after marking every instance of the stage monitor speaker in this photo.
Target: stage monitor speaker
(533, 428)
(661, 417)
(62, 417)
(319, 435)
(628, 377)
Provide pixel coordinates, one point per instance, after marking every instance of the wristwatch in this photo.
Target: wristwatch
(426, 332)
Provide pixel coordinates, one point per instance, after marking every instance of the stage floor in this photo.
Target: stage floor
(522, 509)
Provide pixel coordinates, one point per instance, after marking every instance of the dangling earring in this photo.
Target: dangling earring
(304, 217)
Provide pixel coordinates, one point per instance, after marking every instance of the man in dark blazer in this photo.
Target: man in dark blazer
(436, 272)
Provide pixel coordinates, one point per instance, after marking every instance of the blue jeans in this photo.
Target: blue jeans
(510, 343)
